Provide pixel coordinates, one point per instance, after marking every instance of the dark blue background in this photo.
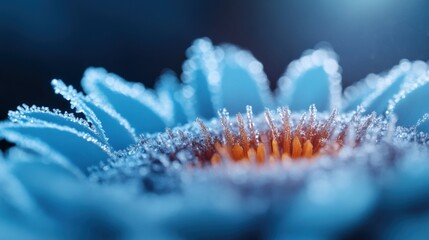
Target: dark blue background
(41, 40)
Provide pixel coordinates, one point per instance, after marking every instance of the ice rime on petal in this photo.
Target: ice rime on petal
(132, 101)
(201, 78)
(242, 81)
(66, 145)
(410, 105)
(355, 94)
(423, 123)
(404, 73)
(171, 96)
(113, 128)
(313, 79)
(25, 113)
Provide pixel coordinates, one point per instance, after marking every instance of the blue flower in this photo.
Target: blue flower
(172, 163)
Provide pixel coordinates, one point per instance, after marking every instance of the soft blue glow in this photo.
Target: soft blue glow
(117, 173)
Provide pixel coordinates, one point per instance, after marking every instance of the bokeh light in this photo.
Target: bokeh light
(41, 40)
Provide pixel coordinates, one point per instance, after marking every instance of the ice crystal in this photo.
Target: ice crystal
(220, 156)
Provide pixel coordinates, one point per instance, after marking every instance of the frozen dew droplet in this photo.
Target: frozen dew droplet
(199, 87)
(76, 150)
(113, 128)
(407, 105)
(126, 99)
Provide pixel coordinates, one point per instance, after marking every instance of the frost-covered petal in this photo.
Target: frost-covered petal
(113, 128)
(200, 75)
(65, 145)
(409, 104)
(25, 113)
(404, 73)
(276, 175)
(355, 94)
(423, 123)
(170, 93)
(241, 82)
(137, 105)
(313, 79)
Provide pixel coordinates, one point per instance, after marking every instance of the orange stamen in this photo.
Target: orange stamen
(260, 154)
(237, 152)
(275, 147)
(307, 150)
(216, 159)
(286, 145)
(240, 142)
(296, 148)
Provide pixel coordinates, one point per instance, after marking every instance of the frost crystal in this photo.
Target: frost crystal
(304, 162)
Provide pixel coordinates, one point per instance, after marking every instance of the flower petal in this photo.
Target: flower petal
(131, 100)
(170, 93)
(404, 73)
(405, 227)
(409, 105)
(224, 217)
(313, 79)
(200, 75)
(65, 145)
(12, 229)
(13, 197)
(355, 94)
(25, 113)
(333, 196)
(84, 210)
(242, 81)
(423, 123)
(109, 124)
(410, 181)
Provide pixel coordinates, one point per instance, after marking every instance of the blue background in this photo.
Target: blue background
(41, 40)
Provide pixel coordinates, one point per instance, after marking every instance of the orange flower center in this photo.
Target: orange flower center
(279, 141)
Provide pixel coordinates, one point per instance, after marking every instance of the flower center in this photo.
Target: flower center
(282, 137)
